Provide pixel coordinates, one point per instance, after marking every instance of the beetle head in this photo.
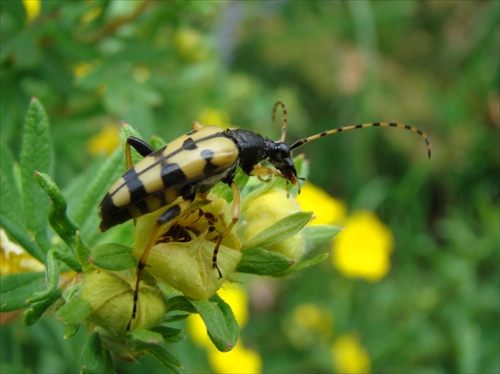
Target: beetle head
(282, 160)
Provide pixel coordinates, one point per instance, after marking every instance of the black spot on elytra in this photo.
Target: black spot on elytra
(134, 185)
(189, 144)
(172, 175)
(207, 155)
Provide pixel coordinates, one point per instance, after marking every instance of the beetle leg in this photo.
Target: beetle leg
(236, 216)
(139, 145)
(167, 216)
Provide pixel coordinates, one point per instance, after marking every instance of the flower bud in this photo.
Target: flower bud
(111, 296)
(183, 250)
(267, 209)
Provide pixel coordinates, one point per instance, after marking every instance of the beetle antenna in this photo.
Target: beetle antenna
(283, 126)
(301, 142)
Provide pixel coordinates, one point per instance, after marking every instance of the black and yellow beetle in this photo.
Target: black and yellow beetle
(193, 164)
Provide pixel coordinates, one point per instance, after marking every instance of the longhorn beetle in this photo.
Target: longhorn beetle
(191, 165)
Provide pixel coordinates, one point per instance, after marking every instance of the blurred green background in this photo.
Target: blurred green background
(431, 64)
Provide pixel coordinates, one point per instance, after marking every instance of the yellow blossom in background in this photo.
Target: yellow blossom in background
(349, 356)
(91, 15)
(363, 249)
(310, 325)
(81, 69)
(209, 116)
(190, 45)
(32, 8)
(104, 142)
(141, 74)
(239, 360)
(310, 316)
(14, 258)
(197, 331)
(327, 210)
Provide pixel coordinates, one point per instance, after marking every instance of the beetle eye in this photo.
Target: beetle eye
(284, 150)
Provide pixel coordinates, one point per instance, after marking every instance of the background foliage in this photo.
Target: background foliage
(432, 64)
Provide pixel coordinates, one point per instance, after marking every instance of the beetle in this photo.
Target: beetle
(191, 165)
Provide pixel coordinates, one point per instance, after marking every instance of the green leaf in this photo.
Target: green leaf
(262, 262)
(179, 303)
(82, 252)
(170, 363)
(143, 336)
(16, 289)
(86, 214)
(70, 330)
(318, 234)
(10, 199)
(57, 212)
(281, 230)
(95, 359)
(220, 322)
(176, 317)
(157, 142)
(169, 334)
(74, 311)
(36, 155)
(36, 309)
(113, 257)
(52, 272)
(305, 264)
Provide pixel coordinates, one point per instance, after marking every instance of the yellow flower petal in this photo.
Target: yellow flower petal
(32, 8)
(238, 360)
(14, 258)
(210, 116)
(327, 209)
(349, 356)
(198, 332)
(363, 248)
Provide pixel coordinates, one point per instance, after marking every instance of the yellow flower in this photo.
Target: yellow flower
(311, 317)
(190, 45)
(104, 142)
(327, 210)
(310, 324)
(91, 15)
(210, 116)
(32, 8)
(363, 248)
(14, 258)
(238, 360)
(349, 356)
(81, 69)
